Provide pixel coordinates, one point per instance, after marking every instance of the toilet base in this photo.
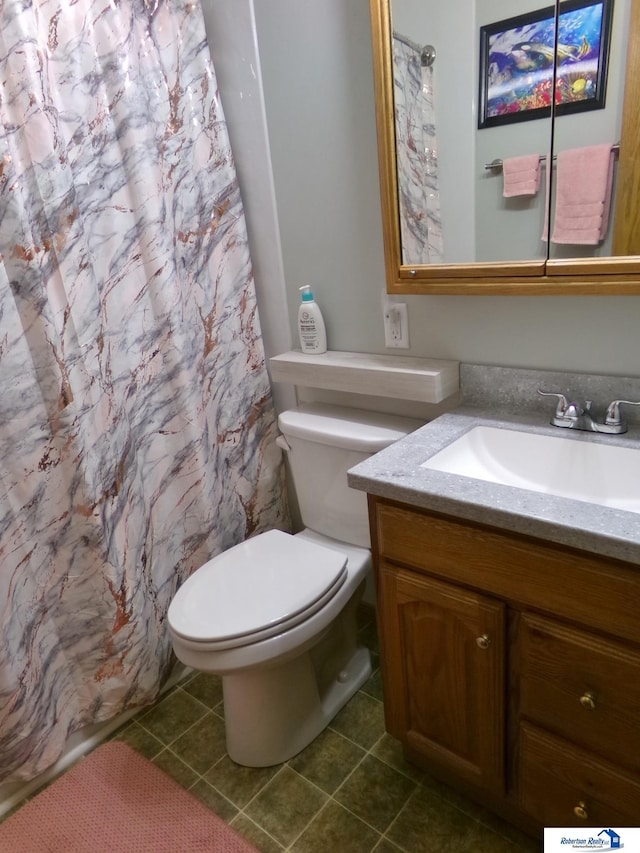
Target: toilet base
(282, 691)
(272, 714)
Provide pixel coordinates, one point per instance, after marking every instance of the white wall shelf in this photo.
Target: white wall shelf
(427, 380)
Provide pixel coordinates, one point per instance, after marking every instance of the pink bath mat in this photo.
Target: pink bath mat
(115, 801)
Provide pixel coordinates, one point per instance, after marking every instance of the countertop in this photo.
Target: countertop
(395, 473)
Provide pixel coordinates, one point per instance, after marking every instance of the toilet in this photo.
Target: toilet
(275, 616)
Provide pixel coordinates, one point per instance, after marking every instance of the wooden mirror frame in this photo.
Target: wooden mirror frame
(619, 274)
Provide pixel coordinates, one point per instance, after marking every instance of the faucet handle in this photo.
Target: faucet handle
(562, 404)
(564, 409)
(614, 415)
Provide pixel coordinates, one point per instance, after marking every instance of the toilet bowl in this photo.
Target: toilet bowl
(275, 616)
(285, 680)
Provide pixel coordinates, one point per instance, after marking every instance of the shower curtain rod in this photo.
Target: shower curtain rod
(427, 51)
(496, 165)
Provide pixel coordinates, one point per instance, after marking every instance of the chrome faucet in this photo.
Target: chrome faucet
(572, 415)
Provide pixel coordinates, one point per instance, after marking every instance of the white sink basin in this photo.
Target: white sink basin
(603, 474)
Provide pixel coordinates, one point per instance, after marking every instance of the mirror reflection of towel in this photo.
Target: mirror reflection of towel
(521, 175)
(584, 180)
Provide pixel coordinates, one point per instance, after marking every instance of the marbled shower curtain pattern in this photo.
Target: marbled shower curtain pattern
(136, 424)
(417, 157)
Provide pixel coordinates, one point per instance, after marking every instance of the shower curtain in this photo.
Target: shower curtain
(416, 155)
(136, 425)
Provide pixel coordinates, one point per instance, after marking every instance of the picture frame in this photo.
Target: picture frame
(517, 69)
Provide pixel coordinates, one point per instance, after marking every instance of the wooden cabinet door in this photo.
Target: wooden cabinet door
(443, 669)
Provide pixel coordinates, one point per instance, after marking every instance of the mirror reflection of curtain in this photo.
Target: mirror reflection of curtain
(417, 156)
(137, 434)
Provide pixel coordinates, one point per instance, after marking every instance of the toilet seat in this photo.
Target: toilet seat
(255, 590)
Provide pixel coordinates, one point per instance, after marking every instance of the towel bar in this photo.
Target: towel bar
(496, 165)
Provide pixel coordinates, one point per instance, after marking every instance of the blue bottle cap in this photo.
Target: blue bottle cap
(307, 295)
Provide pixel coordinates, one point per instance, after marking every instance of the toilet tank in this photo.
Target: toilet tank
(325, 441)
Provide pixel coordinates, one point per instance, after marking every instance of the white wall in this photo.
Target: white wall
(231, 34)
(506, 229)
(478, 223)
(318, 88)
(517, 224)
(598, 126)
(453, 33)
(316, 69)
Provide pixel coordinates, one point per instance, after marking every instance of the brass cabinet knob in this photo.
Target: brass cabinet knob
(581, 810)
(588, 700)
(483, 642)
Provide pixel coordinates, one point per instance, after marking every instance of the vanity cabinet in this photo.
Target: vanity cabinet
(511, 666)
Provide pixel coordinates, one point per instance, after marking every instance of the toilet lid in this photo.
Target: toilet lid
(258, 588)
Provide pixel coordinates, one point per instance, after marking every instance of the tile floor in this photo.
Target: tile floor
(350, 791)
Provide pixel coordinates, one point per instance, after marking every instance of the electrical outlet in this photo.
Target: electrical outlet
(396, 325)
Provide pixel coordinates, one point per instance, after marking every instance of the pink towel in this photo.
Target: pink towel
(521, 175)
(584, 182)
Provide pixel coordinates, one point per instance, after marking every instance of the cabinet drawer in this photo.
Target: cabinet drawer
(583, 687)
(562, 785)
(559, 581)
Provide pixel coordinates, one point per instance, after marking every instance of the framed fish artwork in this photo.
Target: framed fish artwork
(517, 69)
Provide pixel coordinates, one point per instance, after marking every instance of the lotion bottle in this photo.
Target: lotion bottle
(311, 328)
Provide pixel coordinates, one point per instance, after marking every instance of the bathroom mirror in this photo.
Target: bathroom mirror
(489, 244)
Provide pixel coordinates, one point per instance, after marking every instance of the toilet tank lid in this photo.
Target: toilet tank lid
(350, 429)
